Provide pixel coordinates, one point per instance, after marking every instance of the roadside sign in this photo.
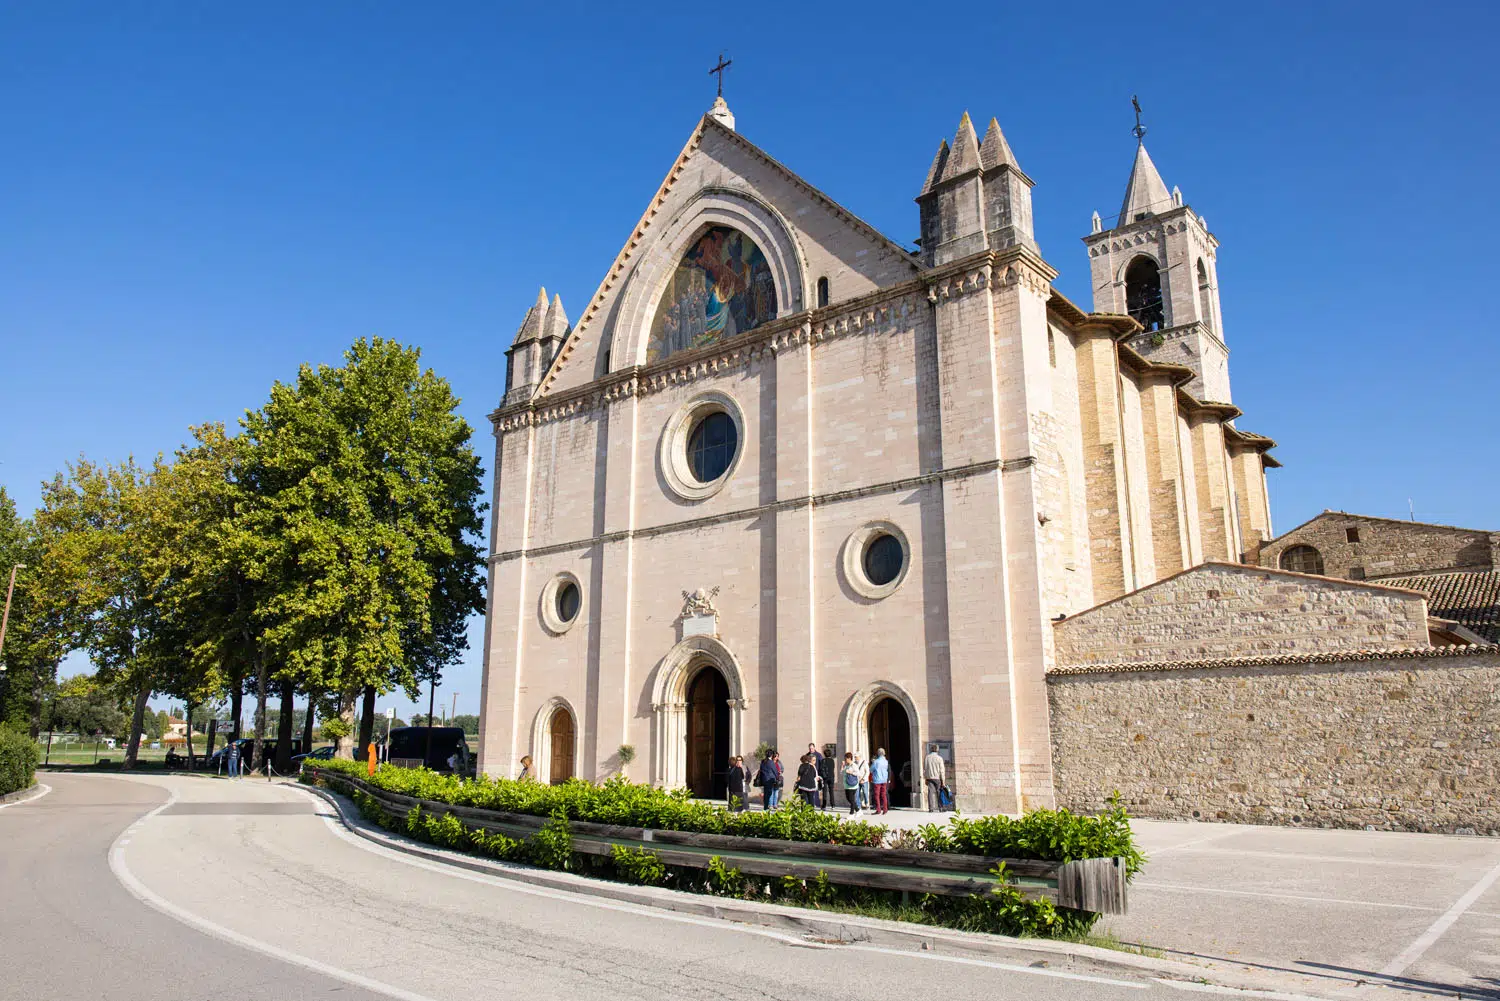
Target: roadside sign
(390, 712)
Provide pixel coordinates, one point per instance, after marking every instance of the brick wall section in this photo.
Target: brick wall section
(1386, 547)
(1398, 743)
(1227, 610)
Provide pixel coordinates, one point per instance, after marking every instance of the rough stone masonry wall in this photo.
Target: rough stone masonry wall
(1228, 610)
(1386, 548)
(1397, 743)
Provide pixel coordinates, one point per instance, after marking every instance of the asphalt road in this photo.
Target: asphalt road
(168, 888)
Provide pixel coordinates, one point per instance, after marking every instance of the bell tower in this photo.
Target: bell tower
(1158, 263)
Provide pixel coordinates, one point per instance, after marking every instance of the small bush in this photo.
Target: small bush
(552, 846)
(723, 880)
(638, 865)
(18, 758)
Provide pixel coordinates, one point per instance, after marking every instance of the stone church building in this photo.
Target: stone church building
(786, 480)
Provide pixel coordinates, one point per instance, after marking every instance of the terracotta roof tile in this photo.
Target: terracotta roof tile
(1471, 599)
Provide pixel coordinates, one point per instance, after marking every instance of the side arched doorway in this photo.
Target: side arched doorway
(554, 742)
(563, 736)
(708, 733)
(890, 728)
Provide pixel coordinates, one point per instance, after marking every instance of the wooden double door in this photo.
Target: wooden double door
(708, 734)
(890, 728)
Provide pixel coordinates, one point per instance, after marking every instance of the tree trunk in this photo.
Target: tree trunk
(307, 723)
(132, 749)
(346, 716)
(187, 714)
(258, 749)
(236, 703)
(284, 728)
(36, 704)
(367, 719)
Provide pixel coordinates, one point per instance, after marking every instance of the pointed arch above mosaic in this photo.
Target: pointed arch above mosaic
(722, 287)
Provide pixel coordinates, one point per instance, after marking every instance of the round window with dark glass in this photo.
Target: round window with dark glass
(710, 447)
(883, 559)
(568, 600)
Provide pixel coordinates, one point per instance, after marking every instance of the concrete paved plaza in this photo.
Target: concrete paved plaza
(1420, 910)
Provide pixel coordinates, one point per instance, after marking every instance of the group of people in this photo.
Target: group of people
(866, 785)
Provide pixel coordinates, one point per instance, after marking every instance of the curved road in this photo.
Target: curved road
(177, 887)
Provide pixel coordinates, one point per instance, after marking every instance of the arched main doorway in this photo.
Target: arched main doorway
(707, 733)
(890, 728)
(561, 746)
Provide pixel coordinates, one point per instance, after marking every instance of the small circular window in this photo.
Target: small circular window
(883, 559)
(701, 445)
(876, 559)
(711, 446)
(562, 600)
(568, 600)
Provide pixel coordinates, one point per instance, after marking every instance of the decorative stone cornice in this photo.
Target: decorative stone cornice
(1278, 660)
(788, 504)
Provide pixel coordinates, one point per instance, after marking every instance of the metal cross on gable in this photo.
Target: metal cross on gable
(1140, 130)
(719, 69)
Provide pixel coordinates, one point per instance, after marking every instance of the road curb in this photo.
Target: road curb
(852, 929)
(28, 793)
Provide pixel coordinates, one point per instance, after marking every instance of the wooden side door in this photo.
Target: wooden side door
(562, 746)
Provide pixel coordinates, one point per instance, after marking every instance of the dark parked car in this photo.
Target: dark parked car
(219, 760)
(408, 748)
(320, 754)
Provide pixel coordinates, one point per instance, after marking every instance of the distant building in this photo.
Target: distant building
(1457, 568)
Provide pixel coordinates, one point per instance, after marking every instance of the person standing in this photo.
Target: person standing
(736, 780)
(851, 782)
(934, 771)
(864, 781)
(233, 760)
(880, 781)
(780, 778)
(526, 773)
(769, 780)
(820, 798)
(807, 780)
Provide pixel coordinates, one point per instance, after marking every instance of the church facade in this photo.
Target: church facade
(786, 481)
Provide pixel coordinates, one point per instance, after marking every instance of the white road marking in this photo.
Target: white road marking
(1294, 857)
(42, 789)
(1188, 985)
(335, 823)
(1435, 931)
(1219, 836)
(1188, 888)
(991, 964)
(139, 890)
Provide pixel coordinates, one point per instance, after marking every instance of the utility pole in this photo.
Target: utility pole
(5, 619)
(453, 710)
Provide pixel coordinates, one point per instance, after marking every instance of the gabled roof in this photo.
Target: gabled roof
(617, 269)
(1472, 599)
(1346, 516)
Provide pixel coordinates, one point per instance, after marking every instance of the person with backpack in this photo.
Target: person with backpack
(851, 782)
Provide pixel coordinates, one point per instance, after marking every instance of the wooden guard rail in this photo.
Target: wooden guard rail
(1096, 885)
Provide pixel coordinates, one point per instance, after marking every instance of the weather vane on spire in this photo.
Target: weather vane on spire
(1140, 130)
(719, 69)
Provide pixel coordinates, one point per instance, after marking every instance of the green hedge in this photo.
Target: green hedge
(1049, 835)
(18, 757)
(1003, 909)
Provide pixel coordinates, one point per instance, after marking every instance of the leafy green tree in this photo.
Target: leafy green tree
(36, 637)
(85, 706)
(91, 525)
(361, 530)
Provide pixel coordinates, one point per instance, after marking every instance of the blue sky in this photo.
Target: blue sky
(196, 198)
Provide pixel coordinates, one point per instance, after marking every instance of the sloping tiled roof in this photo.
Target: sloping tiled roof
(1471, 599)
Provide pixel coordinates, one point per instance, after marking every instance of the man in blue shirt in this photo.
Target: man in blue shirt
(880, 781)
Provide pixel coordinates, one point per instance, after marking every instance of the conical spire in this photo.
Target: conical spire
(1146, 192)
(994, 151)
(536, 317)
(936, 170)
(965, 155)
(556, 323)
